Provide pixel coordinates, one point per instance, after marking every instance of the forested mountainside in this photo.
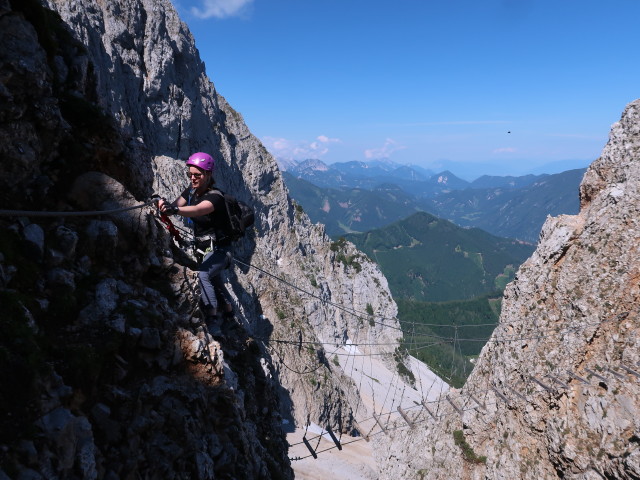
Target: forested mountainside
(503, 206)
(512, 212)
(429, 259)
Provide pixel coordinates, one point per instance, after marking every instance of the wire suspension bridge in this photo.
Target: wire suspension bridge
(410, 415)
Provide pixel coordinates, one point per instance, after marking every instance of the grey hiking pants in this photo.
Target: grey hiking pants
(212, 287)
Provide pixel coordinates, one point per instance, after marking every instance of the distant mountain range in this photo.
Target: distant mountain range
(355, 197)
(411, 178)
(517, 212)
(369, 175)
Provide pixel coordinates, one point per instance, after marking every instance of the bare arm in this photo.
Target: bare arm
(203, 208)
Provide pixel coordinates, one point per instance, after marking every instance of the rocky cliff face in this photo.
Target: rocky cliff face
(555, 393)
(107, 372)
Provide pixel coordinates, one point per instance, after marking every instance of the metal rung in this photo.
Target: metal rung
(546, 387)
(333, 437)
(573, 375)
(481, 405)
(361, 430)
(596, 375)
(499, 393)
(426, 407)
(377, 419)
(632, 372)
(558, 381)
(619, 375)
(454, 405)
(405, 417)
(306, 442)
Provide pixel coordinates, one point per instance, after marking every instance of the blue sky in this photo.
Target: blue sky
(492, 86)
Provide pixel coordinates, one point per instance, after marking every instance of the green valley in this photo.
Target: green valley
(447, 335)
(429, 259)
(447, 282)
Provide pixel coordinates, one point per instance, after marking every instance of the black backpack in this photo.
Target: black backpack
(241, 217)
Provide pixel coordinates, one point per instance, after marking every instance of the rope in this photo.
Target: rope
(367, 316)
(494, 339)
(313, 295)
(91, 213)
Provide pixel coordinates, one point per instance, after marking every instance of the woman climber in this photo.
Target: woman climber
(206, 209)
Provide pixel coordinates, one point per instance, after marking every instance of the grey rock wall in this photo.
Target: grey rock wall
(119, 377)
(150, 77)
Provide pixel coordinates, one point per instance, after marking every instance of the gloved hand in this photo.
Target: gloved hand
(170, 209)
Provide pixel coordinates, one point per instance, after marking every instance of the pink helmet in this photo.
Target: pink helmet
(202, 160)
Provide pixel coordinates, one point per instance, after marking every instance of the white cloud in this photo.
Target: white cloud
(505, 150)
(325, 139)
(385, 151)
(298, 150)
(221, 8)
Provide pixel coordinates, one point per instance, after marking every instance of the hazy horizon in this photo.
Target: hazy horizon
(465, 172)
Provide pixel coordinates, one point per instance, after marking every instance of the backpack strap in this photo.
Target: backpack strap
(222, 234)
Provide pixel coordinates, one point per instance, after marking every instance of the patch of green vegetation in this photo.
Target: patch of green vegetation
(371, 378)
(467, 450)
(504, 278)
(347, 260)
(476, 258)
(400, 356)
(338, 245)
(298, 209)
(496, 305)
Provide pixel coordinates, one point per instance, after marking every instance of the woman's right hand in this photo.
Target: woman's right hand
(168, 208)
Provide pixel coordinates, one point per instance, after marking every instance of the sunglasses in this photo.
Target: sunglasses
(194, 175)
